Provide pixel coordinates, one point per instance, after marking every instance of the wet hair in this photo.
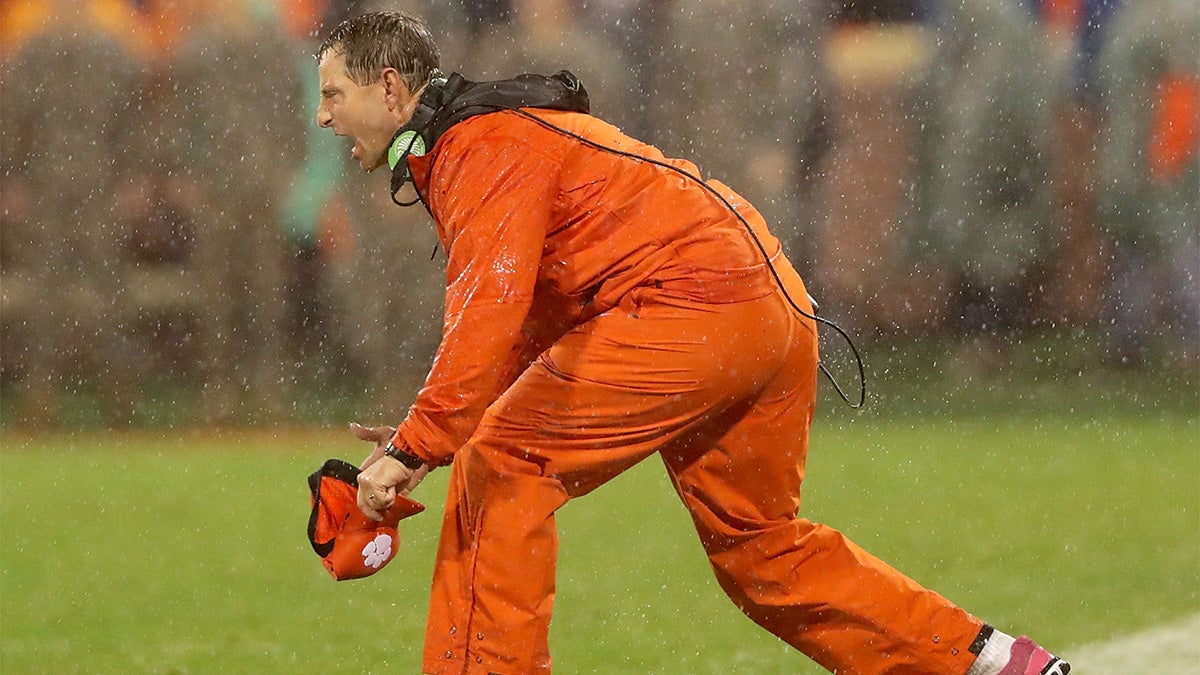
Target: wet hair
(372, 42)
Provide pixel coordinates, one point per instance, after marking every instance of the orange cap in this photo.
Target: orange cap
(350, 544)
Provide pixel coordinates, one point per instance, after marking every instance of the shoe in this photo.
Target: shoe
(1029, 658)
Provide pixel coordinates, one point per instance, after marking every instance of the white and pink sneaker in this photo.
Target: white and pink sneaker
(1029, 658)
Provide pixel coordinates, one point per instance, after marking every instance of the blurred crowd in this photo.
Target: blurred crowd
(971, 168)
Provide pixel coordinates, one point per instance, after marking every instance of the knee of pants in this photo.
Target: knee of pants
(762, 566)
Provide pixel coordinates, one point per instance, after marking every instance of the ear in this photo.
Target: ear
(395, 91)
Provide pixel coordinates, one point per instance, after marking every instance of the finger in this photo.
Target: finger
(374, 497)
(379, 502)
(365, 505)
(375, 456)
(413, 479)
(375, 492)
(384, 499)
(376, 435)
(381, 495)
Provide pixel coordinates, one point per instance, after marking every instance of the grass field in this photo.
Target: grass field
(1067, 506)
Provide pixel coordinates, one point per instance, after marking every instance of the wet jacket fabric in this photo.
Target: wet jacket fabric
(559, 237)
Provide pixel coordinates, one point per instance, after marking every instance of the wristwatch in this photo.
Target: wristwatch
(407, 459)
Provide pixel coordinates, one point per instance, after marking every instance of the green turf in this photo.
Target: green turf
(160, 552)
(1048, 496)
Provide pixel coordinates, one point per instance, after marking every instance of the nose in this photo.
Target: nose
(324, 117)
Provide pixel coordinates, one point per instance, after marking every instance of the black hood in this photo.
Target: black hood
(445, 103)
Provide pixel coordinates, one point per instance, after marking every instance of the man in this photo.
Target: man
(602, 306)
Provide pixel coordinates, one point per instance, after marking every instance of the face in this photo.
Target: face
(368, 114)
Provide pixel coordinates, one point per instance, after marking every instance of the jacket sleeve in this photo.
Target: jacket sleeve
(492, 199)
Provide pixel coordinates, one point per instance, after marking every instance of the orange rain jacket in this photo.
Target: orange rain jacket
(558, 238)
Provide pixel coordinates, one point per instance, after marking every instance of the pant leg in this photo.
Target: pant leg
(655, 372)
(803, 581)
(493, 587)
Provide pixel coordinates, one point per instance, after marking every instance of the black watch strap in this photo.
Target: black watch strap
(409, 460)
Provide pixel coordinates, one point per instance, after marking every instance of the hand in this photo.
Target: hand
(382, 477)
(377, 435)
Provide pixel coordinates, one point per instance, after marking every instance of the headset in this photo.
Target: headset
(409, 140)
(562, 91)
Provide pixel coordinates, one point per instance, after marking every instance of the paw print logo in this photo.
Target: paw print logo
(377, 552)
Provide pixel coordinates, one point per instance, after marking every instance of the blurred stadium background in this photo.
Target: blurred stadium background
(181, 244)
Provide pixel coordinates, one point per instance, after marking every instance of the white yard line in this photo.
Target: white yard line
(1169, 649)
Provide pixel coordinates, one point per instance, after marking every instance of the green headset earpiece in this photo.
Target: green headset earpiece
(410, 139)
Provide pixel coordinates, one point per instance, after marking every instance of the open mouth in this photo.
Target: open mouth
(356, 150)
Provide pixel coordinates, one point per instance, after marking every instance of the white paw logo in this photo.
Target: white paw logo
(377, 552)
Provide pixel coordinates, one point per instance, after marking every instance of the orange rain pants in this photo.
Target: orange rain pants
(724, 394)
(721, 387)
